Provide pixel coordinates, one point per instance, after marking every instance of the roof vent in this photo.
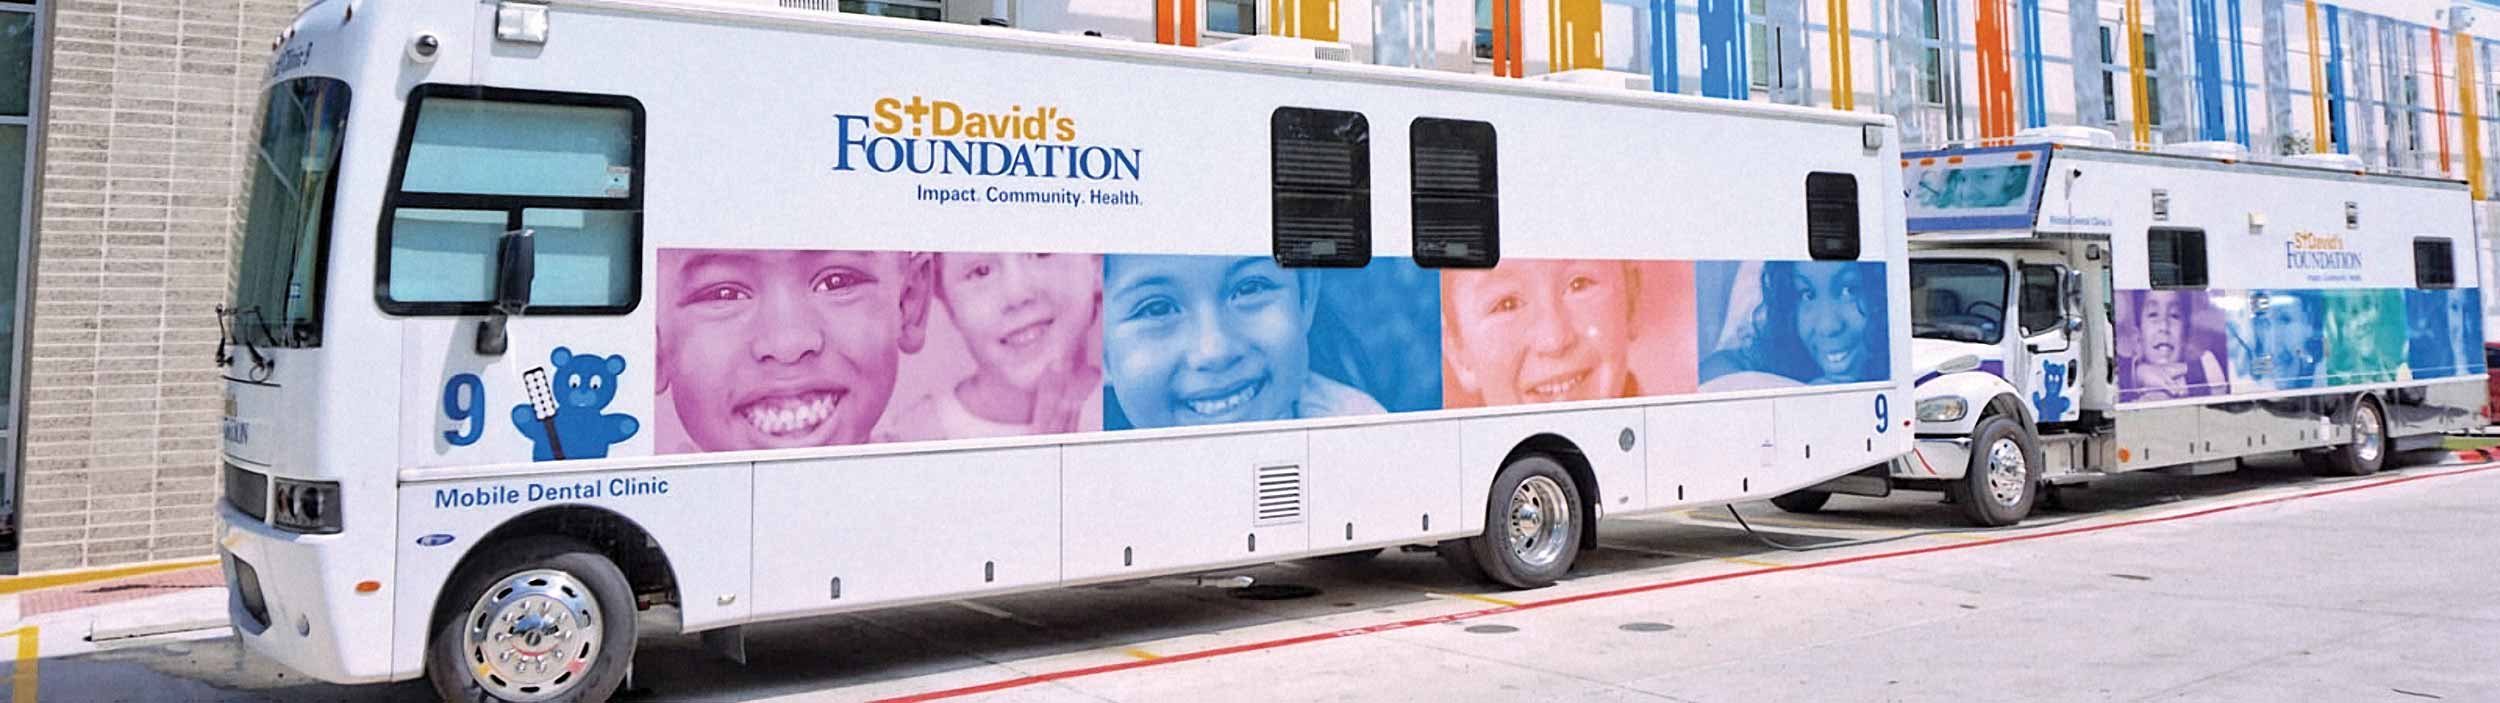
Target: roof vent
(2072, 135)
(1600, 77)
(1290, 48)
(817, 5)
(2339, 162)
(2225, 151)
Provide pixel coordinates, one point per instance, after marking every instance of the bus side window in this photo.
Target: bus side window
(1457, 196)
(2175, 258)
(1832, 216)
(1320, 166)
(2434, 263)
(477, 162)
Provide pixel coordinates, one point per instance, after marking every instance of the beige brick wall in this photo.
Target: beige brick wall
(148, 106)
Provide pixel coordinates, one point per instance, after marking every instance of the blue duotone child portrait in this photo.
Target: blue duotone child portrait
(1768, 324)
(2447, 335)
(1199, 340)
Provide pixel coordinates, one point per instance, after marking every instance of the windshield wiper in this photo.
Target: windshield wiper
(226, 337)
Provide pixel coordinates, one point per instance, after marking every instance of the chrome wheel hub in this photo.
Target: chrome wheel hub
(532, 636)
(2367, 444)
(1540, 521)
(2009, 472)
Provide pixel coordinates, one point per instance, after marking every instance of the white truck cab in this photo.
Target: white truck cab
(2080, 310)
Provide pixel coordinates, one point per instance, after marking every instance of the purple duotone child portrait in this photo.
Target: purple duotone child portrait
(776, 349)
(2169, 346)
(1030, 328)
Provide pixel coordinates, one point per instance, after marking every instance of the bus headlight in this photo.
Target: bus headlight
(1945, 409)
(305, 506)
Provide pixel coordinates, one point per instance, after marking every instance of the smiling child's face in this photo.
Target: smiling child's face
(1831, 319)
(776, 349)
(2161, 322)
(1019, 313)
(1196, 340)
(1541, 331)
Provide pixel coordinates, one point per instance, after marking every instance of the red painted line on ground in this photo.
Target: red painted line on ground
(1035, 679)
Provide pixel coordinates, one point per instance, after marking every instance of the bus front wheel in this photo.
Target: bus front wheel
(1531, 526)
(530, 620)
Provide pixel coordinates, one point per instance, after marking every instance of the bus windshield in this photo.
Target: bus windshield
(1957, 300)
(286, 220)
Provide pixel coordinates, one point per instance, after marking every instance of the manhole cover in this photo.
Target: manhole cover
(1646, 627)
(1274, 591)
(1491, 629)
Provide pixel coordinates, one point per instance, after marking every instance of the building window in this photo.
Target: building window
(2152, 82)
(1931, 54)
(1484, 30)
(906, 9)
(2109, 73)
(2413, 114)
(1763, 62)
(1232, 17)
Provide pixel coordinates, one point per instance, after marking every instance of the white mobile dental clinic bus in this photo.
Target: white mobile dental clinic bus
(2177, 310)
(548, 312)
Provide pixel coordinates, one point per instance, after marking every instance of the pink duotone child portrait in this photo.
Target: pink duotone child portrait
(1542, 331)
(1031, 325)
(764, 349)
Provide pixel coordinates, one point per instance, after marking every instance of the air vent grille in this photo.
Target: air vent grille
(1278, 495)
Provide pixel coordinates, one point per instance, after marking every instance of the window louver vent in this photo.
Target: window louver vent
(1278, 495)
(1321, 183)
(1455, 194)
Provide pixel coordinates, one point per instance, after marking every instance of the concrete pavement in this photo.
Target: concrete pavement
(2263, 585)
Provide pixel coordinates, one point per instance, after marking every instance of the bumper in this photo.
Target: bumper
(1934, 458)
(292, 598)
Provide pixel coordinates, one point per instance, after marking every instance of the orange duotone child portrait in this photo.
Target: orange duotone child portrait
(1541, 331)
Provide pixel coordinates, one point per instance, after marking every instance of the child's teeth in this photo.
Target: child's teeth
(1218, 406)
(783, 416)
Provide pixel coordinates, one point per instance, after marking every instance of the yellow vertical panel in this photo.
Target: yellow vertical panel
(2135, 74)
(1576, 28)
(2467, 85)
(2325, 141)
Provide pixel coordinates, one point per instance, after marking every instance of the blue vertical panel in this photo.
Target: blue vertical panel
(1663, 75)
(2335, 77)
(2035, 97)
(1722, 49)
(2239, 77)
(2208, 72)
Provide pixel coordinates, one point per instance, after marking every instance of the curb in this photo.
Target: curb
(2479, 455)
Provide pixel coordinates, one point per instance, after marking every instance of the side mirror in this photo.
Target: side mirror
(516, 269)
(2074, 288)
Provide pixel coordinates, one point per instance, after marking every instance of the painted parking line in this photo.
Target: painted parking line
(21, 584)
(22, 674)
(1021, 682)
(1488, 600)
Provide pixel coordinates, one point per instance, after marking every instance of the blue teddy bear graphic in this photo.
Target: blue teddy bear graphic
(583, 384)
(2051, 398)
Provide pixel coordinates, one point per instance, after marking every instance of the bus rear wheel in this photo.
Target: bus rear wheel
(2368, 449)
(1531, 526)
(532, 620)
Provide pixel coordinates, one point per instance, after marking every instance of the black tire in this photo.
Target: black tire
(454, 671)
(1493, 552)
(1802, 502)
(1976, 494)
(2368, 450)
